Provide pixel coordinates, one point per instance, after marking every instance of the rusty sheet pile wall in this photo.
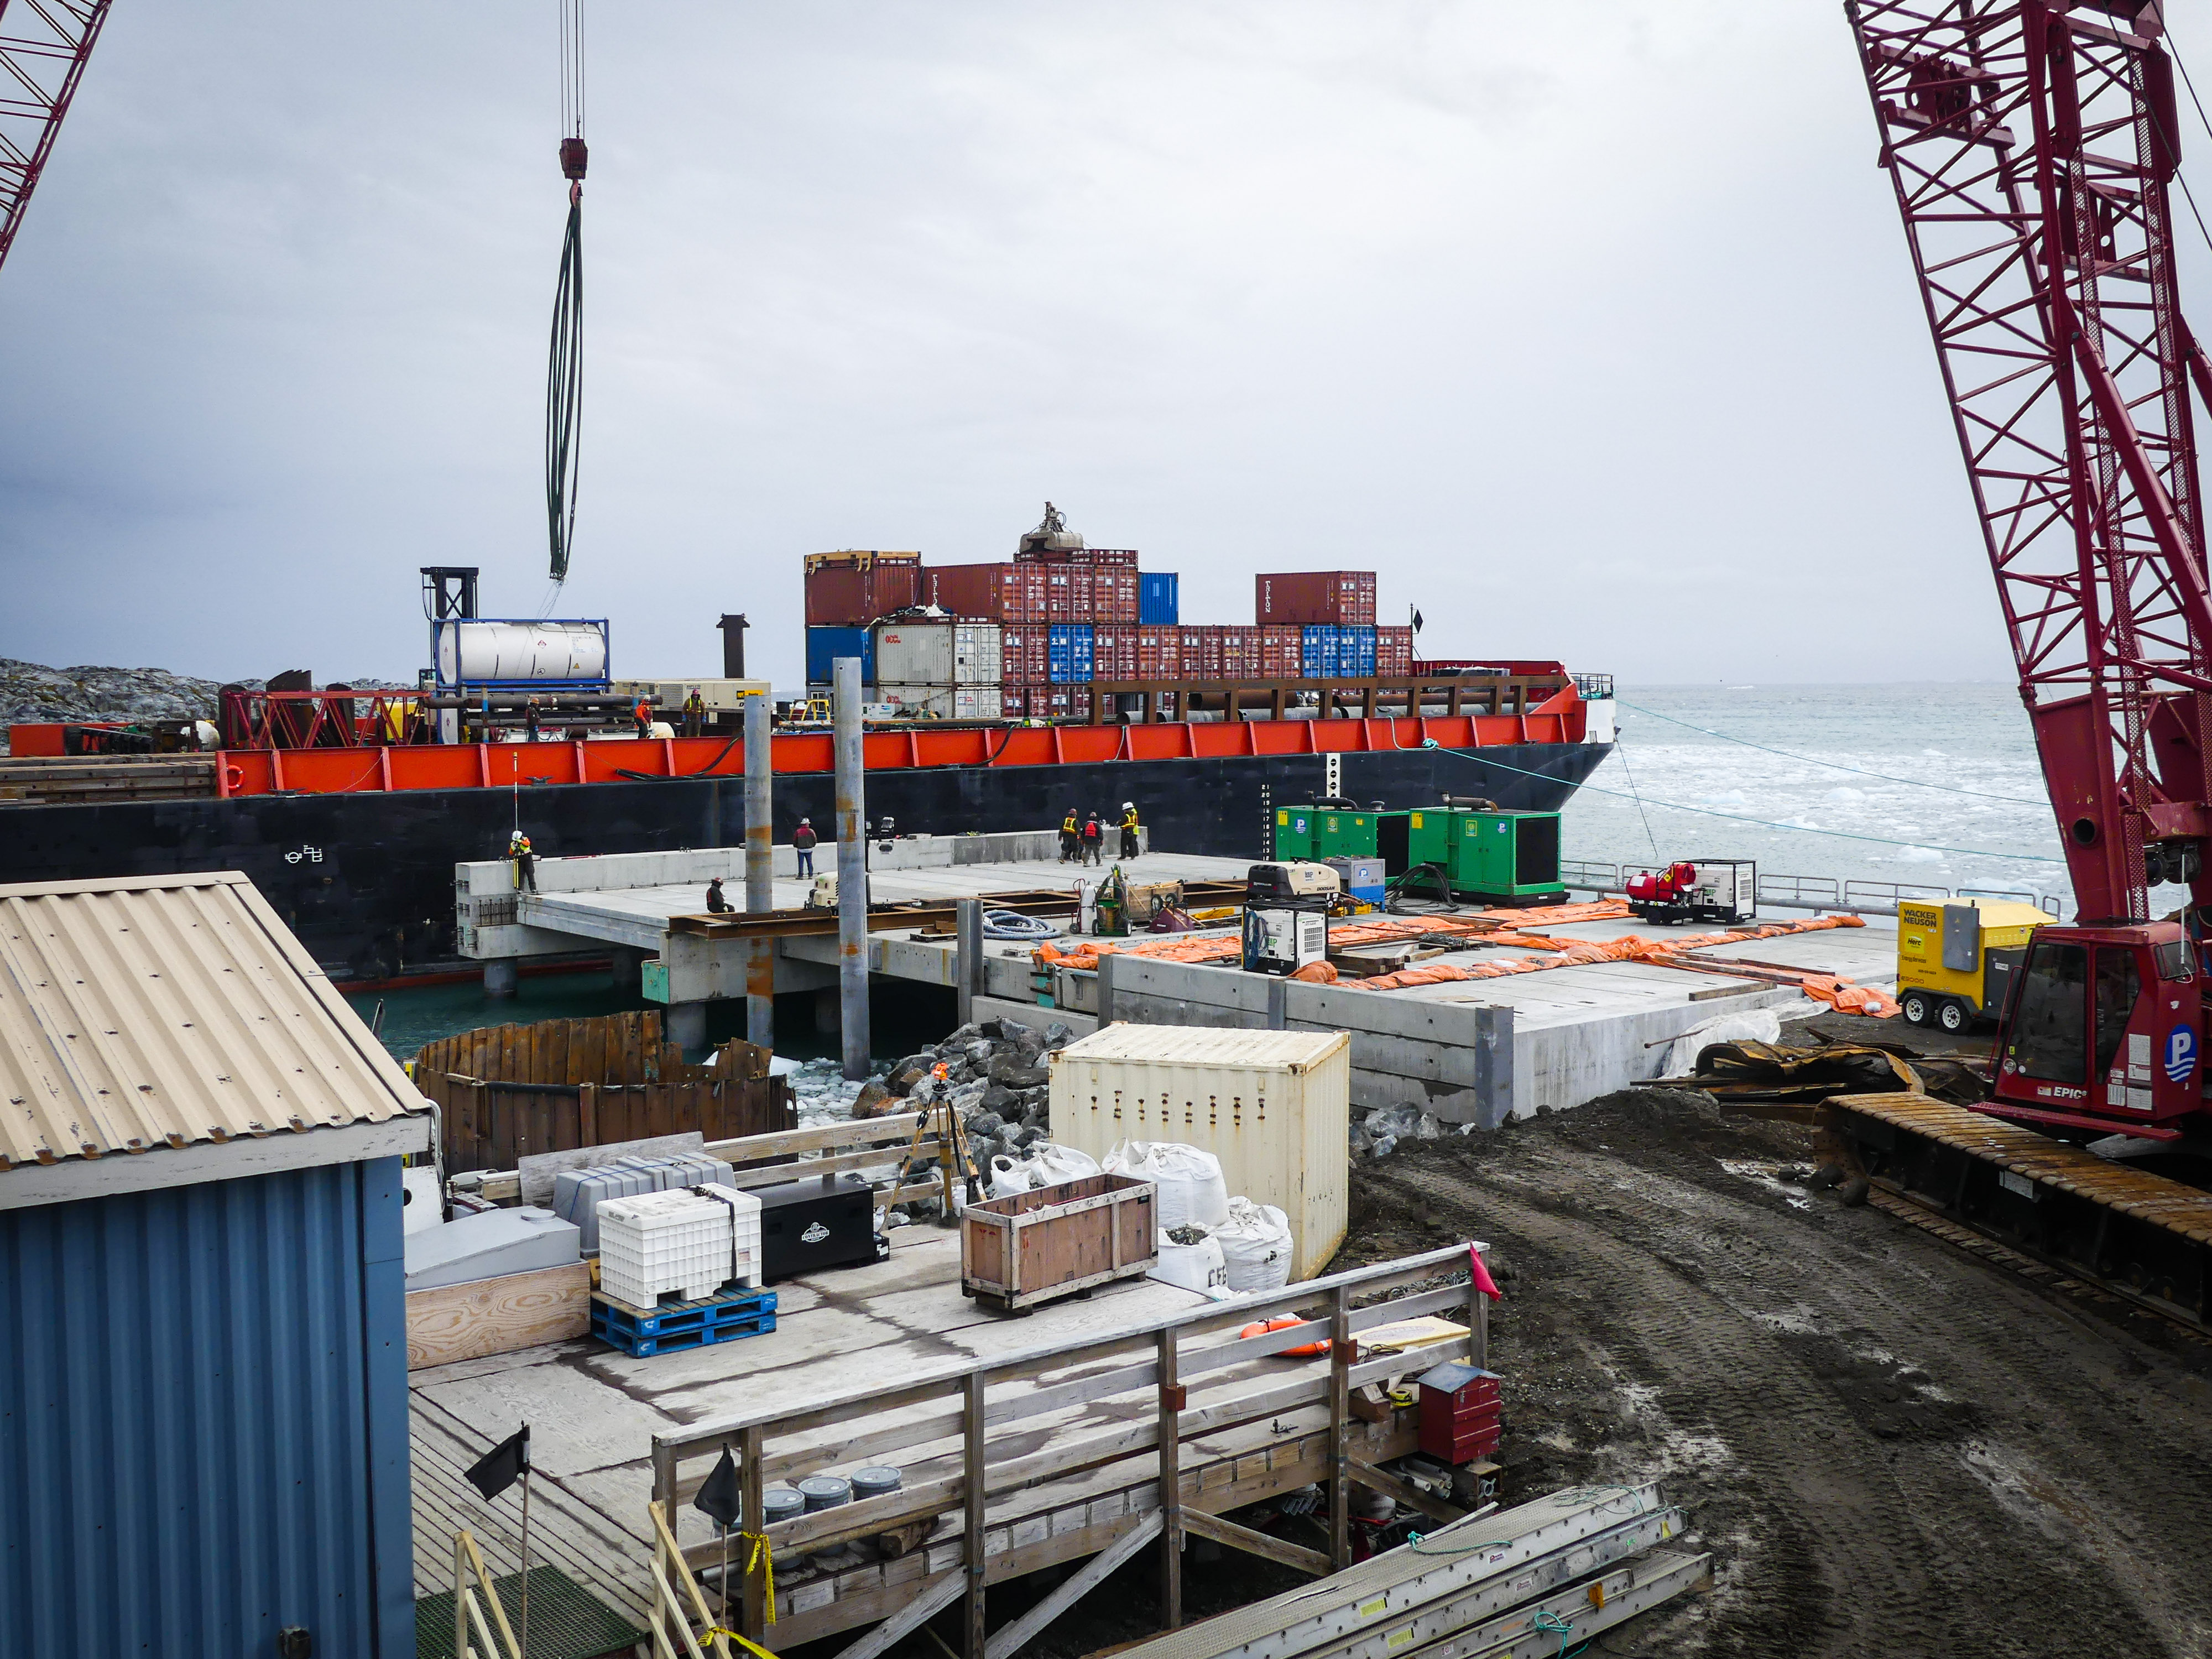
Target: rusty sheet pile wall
(509, 1091)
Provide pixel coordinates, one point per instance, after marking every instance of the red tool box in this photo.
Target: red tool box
(1462, 1413)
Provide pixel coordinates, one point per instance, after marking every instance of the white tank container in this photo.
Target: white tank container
(1274, 1106)
(475, 650)
(938, 654)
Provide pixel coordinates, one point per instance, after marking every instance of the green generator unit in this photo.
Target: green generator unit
(1407, 839)
(1504, 858)
(1507, 858)
(1324, 832)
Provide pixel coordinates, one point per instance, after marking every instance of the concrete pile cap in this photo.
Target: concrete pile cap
(1201, 1045)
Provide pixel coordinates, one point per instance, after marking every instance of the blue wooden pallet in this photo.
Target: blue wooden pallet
(683, 1325)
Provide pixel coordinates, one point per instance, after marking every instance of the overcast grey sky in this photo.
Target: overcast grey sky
(1589, 328)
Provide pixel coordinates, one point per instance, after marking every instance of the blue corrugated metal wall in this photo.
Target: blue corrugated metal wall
(203, 1418)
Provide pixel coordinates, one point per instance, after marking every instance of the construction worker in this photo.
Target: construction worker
(1128, 829)
(530, 718)
(1094, 840)
(802, 842)
(694, 713)
(525, 865)
(642, 715)
(716, 901)
(1070, 838)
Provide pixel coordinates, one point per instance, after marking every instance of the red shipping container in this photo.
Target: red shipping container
(1025, 655)
(1120, 558)
(1067, 592)
(1240, 652)
(1160, 654)
(1394, 650)
(1114, 653)
(1113, 597)
(1345, 598)
(1209, 653)
(1282, 653)
(991, 592)
(853, 596)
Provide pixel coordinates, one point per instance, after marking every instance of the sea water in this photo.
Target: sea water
(1925, 787)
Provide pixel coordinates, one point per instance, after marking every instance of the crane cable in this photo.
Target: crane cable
(564, 375)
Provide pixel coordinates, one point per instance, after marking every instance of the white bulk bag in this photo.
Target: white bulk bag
(1256, 1246)
(1195, 1266)
(1009, 1175)
(1191, 1192)
(1049, 1163)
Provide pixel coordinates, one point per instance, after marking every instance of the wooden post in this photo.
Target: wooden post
(972, 1490)
(753, 1516)
(587, 1113)
(1340, 1419)
(1171, 1403)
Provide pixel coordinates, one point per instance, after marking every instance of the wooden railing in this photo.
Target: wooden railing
(473, 1590)
(940, 1429)
(672, 1615)
(789, 1154)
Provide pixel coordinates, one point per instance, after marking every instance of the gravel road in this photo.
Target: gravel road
(1890, 1447)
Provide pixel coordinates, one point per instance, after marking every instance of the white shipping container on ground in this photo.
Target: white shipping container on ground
(938, 653)
(1274, 1106)
(944, 702)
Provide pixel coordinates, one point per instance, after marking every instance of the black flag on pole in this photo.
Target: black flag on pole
(502, 1466)
(717, 1498)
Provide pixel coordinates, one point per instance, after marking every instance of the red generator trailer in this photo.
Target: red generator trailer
(1711, 890)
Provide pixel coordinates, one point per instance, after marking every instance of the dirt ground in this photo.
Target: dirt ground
(1890, 1447)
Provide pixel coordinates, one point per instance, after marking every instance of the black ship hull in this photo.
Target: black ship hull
(366, 880)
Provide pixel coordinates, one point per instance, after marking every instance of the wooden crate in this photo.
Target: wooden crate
(1057, 1241)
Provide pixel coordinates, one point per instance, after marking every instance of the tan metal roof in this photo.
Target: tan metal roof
(161, 1011)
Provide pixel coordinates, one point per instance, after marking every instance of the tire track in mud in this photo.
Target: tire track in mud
(1901, 1452)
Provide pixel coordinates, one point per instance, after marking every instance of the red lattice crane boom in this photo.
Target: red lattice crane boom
(44, 47)
(2032, 146)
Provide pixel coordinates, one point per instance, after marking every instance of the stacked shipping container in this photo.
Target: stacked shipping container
(1049, 620)
(1339, 597)
(851, 590)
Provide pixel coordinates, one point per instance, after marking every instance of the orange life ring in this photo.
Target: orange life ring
(1284, 1322)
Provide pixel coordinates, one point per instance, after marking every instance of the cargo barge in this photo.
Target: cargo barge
(355, 845)
(1085, 685)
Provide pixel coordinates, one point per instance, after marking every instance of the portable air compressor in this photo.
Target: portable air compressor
(1297, 879)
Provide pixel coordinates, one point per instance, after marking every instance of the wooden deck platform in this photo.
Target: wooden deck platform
(882, 1364)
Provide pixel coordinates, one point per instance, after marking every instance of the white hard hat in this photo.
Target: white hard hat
(1128, 806)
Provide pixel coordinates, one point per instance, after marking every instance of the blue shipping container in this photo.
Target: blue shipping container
(1355, 651)
(1068, 654)
(1317, 650)
(825, 645)
(1159, 601)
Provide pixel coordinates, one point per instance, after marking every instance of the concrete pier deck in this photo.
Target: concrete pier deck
(1470, 1050)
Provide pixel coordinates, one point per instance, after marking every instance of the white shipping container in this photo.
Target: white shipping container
(944, 702)
(721, 696)
(938, 653)
(1274, 1106)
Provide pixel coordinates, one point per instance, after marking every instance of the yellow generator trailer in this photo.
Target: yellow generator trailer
(1956, 960)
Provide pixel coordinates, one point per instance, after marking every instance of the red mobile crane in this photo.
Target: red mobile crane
(44, 47)
(2032, 146)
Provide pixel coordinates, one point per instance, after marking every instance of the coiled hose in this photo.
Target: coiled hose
(1013, 924)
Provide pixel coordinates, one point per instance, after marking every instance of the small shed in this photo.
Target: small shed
(203, 1334)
